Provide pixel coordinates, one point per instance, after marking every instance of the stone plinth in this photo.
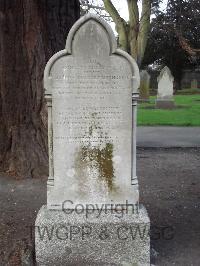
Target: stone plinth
(165, 103)
(106, 240)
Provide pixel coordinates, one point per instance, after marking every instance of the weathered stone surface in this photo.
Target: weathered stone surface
(165, 84)
(165, 89)
(91, 85)
(105, 240)
(144, 85)
(91, 89)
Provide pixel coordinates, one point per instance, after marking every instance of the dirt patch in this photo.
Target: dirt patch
(169, 188)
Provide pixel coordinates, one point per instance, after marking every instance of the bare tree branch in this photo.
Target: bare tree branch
(119, 22)
(133, 34)
(110, 8)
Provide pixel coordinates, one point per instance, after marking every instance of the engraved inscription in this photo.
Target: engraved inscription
(84, 84)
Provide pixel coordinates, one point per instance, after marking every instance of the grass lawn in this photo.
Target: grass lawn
(187, 112)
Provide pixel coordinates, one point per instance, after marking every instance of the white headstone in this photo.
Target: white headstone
(165, 84)
(89, 87)
(91, 90)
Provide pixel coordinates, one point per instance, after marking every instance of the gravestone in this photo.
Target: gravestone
(194, 84)
(91, 88)
(144, 86)
(165, 98)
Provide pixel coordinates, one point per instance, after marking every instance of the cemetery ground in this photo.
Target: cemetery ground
(186, 113)
(169, 188)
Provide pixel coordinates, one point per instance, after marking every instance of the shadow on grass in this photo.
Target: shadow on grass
(174, 108)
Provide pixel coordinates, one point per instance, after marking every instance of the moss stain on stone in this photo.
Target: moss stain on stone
(102, 159)
(105, 162)
(97, 157)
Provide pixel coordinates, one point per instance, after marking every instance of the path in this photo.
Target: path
(168, 137)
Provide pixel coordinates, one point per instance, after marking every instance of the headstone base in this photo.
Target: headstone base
(143, 100)
(165, 104)
(106, 239)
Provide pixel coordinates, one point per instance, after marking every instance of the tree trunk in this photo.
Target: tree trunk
(31, 31)
(133, 35)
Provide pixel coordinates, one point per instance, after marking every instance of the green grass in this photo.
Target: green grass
(187, 113)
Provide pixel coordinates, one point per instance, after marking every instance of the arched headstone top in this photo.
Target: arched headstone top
(96, 21)
(144, 75)
(165, 71)
(98, 33)
(165, 84)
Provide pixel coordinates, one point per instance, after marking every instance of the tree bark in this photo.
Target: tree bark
(134, 27)
(31, 31)
(144, 29)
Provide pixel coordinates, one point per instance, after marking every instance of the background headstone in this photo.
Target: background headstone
(188, 75)
(91, 89)
(165, 92)
(144, 85)
(194, 84)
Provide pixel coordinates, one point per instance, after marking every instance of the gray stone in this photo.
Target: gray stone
(105, 240)
(91, 88)
(165, 104)
(144, 85)
(90, 85)
(165, 98)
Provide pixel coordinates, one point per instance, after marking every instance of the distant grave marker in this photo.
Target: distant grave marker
(144, 85)
(165, 98)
